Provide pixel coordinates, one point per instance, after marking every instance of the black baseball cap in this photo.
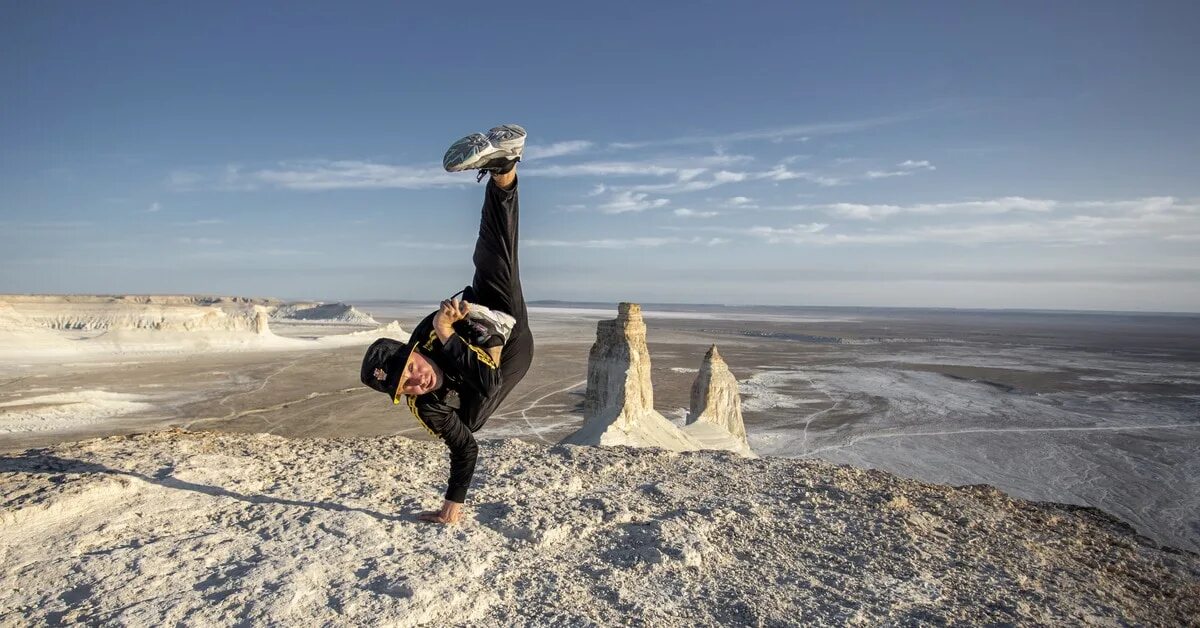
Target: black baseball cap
(390, 355)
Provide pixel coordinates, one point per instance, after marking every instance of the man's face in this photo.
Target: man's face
(420, 376)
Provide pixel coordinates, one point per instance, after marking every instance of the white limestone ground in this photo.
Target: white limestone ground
(220, 529)
(58, 411)
(1132, 455)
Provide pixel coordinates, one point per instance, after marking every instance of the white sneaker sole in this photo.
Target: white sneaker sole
(476, 150)
(508, 137)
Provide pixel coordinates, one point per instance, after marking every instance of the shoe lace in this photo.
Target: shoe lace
(493, 169)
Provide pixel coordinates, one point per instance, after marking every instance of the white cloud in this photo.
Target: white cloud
(863, 212)
(906, 168)
(802, 132)
(629, 201)
(324, 174)
(155, 206)
(430, 246)
(788, 138)
(1148, 205)
(199, 241)
(1046, 222)
(349, 174)
(782, 173)
(681, 168)
(603, 169)
(557, 149)
(627, 243)
(606, 243)
(792, 233)
(858, 211)
(691, 213)
(882, 174)
(317, 175)
(692, 183)
(690, 179)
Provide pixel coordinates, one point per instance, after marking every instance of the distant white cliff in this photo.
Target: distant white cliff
(100, 313)
(57, 327)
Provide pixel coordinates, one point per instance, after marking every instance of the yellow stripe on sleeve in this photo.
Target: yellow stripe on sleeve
(412, 406)
(483, 356)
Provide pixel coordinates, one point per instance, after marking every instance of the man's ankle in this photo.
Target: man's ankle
(505, 181)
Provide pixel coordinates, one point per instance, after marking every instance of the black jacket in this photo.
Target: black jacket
(459, 408)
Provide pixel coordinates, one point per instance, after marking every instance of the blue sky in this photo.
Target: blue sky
(1008, 154)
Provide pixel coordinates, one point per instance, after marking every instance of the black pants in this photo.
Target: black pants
(497, 285)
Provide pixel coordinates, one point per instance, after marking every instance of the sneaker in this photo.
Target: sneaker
(509, 138)
(496, 152)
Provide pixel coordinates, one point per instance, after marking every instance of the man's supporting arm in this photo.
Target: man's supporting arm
(464, 452)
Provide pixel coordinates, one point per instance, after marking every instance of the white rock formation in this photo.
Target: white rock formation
(90, 313)
(715, 417)
(619, 404)
(319, 312)
(55, 328)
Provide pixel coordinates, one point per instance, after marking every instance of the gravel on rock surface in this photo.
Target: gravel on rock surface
(209, 528)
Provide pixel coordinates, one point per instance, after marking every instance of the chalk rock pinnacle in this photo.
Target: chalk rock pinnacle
(619, 403)
(619, 364)
(715, 417)
(715, 396)
(260, 320)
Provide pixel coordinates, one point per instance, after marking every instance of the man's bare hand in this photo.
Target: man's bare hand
(450, 312)
(451, 512)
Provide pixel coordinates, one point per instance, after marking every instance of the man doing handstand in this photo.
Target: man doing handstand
(461, 361)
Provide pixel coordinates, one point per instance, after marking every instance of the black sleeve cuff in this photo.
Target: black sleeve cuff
(456, 494)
